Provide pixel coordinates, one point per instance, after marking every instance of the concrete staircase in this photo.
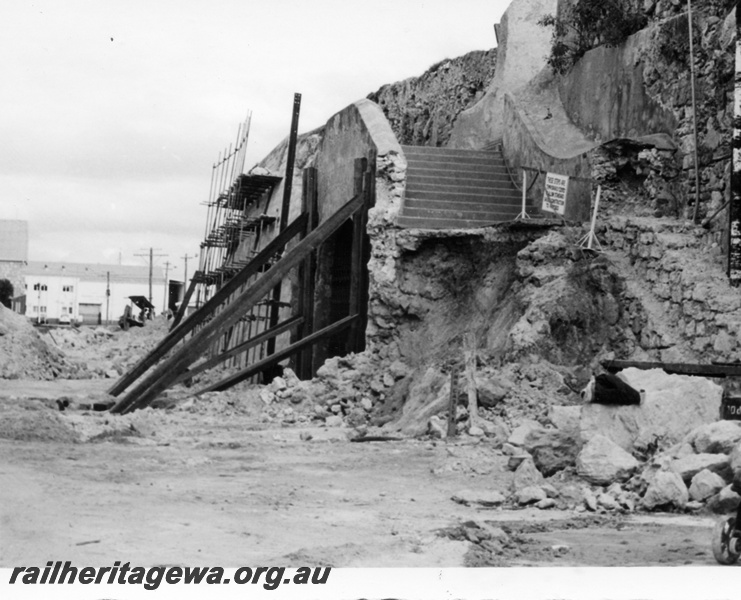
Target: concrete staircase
(457, 189)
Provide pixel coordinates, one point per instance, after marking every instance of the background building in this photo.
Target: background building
(13, 252)
(90, 293)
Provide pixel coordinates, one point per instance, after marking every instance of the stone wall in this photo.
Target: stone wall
(422, 110)
(683, 276)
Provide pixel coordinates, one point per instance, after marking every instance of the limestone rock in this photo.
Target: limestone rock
(705, 484)
(608, 502)
(590, 500)
(689, 466)
(716, 438)
(427, 396)
(667, 487)
(484, 498)
(520, 433)
(530, 495)
(545, 504)
(724, 501)
(437, 428)
(673, 405)
(491, 391)
(602, 461)
(527, 475)
(496, 429)
(565, 418)
(552, 450)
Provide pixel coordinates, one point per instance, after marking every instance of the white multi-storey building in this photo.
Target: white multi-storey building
(87, 293)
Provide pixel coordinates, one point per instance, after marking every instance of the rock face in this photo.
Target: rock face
(428, 395)
(422, 110)
(667, 487)
(673, 406)
(602, 461)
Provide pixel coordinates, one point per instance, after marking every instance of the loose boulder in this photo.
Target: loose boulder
(673, 405)
(602, 461)
(705, 484)
(530, 495)
(666, 488)
(527, 475)
(491, 391)
(689, 466)
(552, 450)
(565, 418)
(724, 501)
(716, 438)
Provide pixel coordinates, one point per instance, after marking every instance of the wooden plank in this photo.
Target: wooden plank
(282, 354)
(167, 371)
(307, 274)
(356, 266)
(713, 370)
(207, 310)
(241, 348)
(186, 300)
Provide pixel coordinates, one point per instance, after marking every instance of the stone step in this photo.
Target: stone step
(494, 189)
(431, 223)
(490, 205)
(428, 176)
(452, 162)
(486, 214)
(500, 196)
(423, 152)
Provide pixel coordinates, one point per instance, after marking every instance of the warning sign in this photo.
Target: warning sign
(554, 196)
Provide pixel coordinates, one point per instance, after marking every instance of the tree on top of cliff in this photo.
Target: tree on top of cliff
(587, 24)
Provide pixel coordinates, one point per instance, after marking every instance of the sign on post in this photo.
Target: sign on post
(554, 195)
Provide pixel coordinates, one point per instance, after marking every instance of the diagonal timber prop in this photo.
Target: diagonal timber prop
(169, 370)
(274, 359)
(186, 300)
(206, 311)
(286, 325)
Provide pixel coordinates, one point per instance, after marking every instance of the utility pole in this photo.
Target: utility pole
(185, 272)
(107, 296)
(151, 255)
(694, 112)
(167, 270)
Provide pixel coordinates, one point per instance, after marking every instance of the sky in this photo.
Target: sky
(112, 112)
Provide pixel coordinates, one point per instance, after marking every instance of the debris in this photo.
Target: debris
(667, 488)
(484, 498)
(602, 461)
(530, 495)
(705, 484)
(673, 405)
(689, 466)
(527, 475)
(552, 450)
(724, 501)
(545, 504)
(715, 438)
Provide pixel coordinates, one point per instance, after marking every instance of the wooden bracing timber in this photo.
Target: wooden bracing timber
(271, 333)
(217, 316)
(206, 311)
(275, 358)
(711, 370)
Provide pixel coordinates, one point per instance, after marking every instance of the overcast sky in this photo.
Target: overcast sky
(112, 112)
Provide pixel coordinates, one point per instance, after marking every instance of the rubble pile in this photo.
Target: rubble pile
(108, 352)
(24, 354)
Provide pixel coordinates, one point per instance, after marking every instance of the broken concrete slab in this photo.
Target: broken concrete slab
(602, 462)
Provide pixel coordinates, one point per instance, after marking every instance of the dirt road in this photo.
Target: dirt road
(179, 487)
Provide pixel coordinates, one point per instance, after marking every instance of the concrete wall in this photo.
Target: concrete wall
(524, 146)
(523, 46)
(359, 131)
(605, 94)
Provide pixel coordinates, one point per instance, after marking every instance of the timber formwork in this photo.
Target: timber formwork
(221, 331)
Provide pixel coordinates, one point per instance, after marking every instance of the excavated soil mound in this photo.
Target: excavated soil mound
(25, 355)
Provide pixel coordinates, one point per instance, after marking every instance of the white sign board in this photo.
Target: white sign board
(554, 196)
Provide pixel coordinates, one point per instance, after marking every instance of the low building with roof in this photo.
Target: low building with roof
(86, 293)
